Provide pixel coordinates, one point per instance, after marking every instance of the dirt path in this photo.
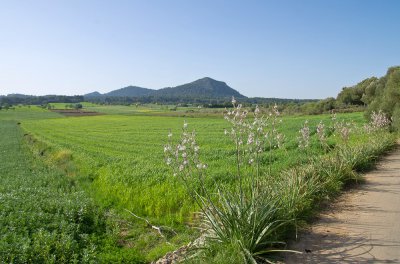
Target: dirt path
(362, 227)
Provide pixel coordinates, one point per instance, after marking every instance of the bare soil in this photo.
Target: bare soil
(363, 226)
(72, 112)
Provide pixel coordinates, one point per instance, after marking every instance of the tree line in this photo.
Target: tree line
(376, 94)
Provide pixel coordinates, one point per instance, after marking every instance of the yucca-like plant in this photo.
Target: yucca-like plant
(250, 226)
(246, 218)
(248, 221)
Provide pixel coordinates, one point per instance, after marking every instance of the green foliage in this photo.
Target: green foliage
(43, 217)
(78, 106)
(117, 159)
(14, 99)
(357, 94)
(28, 113)
(252, 219)
(387, 96)
(250, 226)
(396, 118)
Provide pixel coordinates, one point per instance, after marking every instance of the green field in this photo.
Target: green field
(124, 156)
(44, 217)
(148, 109)
(117, 160)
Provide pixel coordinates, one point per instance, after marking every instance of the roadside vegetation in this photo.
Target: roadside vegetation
(250, 222)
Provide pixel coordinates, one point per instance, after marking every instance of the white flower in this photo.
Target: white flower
(181, 147)
(167, 148)
(250, 139)
(185, 124)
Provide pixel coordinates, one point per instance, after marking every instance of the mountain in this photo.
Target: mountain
(94, 94)
(202, 88)
(130, 91)
(16, 95)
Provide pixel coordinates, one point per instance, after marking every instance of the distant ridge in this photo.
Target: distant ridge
(130, 91)
(205, 87)
(94, 94)
(202, 88)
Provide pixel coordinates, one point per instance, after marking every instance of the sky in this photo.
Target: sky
(285, 49)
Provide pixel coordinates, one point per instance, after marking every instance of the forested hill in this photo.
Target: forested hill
(133, 91)
(202, 88)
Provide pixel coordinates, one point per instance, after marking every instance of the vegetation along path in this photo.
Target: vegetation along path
(363, 227)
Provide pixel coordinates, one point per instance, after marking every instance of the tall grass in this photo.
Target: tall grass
(253, 219)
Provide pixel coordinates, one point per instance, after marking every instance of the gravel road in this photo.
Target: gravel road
(363, 226)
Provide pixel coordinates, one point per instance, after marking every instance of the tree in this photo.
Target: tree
(356, 95)
(78, 106)
(385, 96)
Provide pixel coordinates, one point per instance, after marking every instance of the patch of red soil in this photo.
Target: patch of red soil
(73, 112)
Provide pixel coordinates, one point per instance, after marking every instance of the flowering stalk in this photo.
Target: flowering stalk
(343, 129)
(304, 137)
(237, 118)
(378, 121)
(252, 136)
(321, 135)
(184, 157)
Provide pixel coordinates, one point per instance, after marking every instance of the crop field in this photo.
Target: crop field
(46, 217)
(118, 160)
(148, 109)
(124, 156)
(27, 113)
(43, 217)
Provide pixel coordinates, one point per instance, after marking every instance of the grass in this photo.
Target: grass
(45, 217)
(155, 109)
(253, 221)
(121, 158)
(27, 113)
(251, 228)
(117, 160)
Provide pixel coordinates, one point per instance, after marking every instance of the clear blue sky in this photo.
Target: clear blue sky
(287, 49)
